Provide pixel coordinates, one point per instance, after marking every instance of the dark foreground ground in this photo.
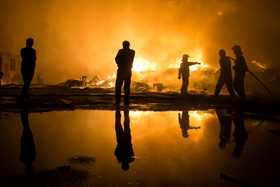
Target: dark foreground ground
(54, 98)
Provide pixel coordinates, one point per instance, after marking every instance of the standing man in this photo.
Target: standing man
(124, 60)
(184, 70)
(226, 76)
(240, 68)
(28, 55)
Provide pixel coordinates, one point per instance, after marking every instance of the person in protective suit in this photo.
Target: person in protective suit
(28, 55)
(124, 60)
(226, 75)
(184, 71)
(240, 67)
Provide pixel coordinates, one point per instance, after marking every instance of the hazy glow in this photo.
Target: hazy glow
(140, 64)
(259, 64)
(200, 115)
(81, 38)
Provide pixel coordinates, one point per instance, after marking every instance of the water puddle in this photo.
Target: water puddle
(120, 148)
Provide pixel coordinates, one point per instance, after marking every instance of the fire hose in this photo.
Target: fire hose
(260, 82)
(257, 79)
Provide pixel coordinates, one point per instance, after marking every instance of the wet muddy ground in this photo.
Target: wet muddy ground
(50, 98)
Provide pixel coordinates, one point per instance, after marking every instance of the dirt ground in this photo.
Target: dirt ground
(54, 98)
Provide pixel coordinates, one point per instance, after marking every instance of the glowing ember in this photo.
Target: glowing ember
(100, 82)
(112, 84)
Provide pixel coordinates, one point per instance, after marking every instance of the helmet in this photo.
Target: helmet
(185, 57)
(222, 51)
(237, 49)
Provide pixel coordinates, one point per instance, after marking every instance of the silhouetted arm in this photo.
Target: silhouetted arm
(194, 63)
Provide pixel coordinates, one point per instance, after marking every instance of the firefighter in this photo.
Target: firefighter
(226, 76)
(184, 72)
(124, 60)
(28, 55)
(240, 67)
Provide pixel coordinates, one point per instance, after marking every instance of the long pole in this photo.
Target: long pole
(257, 79)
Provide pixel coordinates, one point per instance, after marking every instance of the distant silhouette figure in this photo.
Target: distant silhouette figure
(1, 77)
(226, 76)
(1, 73)
(124, 60)
(124, 151)
(27, 146)
(225, 120)
(184, 71)
(240, 134)
(28, 55)
(184, 122)
(240, 68)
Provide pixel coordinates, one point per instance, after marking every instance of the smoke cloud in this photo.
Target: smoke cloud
(76, 38)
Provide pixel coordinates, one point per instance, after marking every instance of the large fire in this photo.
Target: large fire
(140, 64)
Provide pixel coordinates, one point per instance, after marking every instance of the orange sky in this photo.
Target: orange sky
(76, 38)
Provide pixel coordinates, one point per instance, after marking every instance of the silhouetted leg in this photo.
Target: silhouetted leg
(229, 87)
(127, 90)
(27, 78)
(238, 83)
(185, 84)
(219, 85)
(119, 83)
(126, 122)
(118, 126)
(242, 90)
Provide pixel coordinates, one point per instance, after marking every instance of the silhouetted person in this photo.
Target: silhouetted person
(225, 120)
(27, 146)
(184, 71)
(184, 122)
(1, 77)
(124, 151)
(28, 55)
(240, 134)
(226, 76)
(124, 60)
(1, 73)
(240, 68)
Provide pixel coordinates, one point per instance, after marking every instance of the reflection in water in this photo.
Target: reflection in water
(225, 120)
(27, 146)
(240, 135)
(124, 151)
(184, 122)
